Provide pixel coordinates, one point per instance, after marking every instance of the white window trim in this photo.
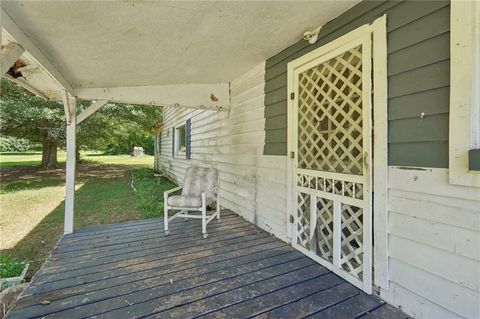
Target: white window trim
(178, 153)
(464, 132)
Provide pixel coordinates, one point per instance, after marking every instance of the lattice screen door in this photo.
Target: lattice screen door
(331, 175)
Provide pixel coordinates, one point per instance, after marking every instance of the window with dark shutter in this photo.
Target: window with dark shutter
(188, 138)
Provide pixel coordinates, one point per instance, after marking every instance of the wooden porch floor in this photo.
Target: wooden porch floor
(132, 270)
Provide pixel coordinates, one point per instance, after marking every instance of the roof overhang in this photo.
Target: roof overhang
(160, 52)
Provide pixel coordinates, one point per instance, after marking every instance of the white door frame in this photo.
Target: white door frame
(380, 123)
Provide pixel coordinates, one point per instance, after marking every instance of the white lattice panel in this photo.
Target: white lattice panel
(330, 115)
(352, 240)
(331, 185)
(324, 230)
(303, 220)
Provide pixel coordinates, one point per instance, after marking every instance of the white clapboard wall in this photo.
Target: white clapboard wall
(434, 244)
(252, 185)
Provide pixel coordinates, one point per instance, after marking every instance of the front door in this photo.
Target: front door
(331, 135)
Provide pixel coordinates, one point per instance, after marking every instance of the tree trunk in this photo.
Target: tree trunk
(77, 152)
(49, 152)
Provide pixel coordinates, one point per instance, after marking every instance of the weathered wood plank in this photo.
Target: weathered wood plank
(138, 259)
(182, 272)
(135, 252)
(312, 303)
(179, 224)
(106, 300)
(243, 293)
(278, 298)
(351, 308)
(386, 311)
(87, 256)
(202, 258)
(179, 304)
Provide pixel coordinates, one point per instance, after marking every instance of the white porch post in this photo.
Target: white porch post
(71, 161)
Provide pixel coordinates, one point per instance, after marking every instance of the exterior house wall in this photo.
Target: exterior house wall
(433, 226)
(252, 184)
(418, 74)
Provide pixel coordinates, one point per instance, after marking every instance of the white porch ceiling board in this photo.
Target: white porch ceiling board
(101, 44)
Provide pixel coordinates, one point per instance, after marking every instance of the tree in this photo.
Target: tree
(115, 127)
(25, 115)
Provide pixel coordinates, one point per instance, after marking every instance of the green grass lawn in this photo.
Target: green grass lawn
(32, 208)
(31, 159)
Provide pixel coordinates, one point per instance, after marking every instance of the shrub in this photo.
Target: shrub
(14, 144)
(10, 267)
(149, 192)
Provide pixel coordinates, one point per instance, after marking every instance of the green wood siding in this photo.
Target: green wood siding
(418, 79)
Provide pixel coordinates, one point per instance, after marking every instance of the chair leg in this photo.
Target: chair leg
(165, 218)
(204, 216)
(218, 197)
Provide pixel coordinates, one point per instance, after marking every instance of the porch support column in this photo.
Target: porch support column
(70, 114)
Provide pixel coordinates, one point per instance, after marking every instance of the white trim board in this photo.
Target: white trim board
(379, 51)
(464, 123)
(200, 96)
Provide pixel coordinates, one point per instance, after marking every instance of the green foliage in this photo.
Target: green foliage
(24, 115)
(10, 267)
(149, 194)
(115, 127)
(14, 144)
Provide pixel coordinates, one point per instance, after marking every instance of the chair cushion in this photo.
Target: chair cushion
(185, 201)
(199, 179)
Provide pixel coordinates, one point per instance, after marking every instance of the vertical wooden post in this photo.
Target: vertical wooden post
(71, 161)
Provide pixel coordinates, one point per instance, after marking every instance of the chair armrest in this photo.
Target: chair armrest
(166, 193)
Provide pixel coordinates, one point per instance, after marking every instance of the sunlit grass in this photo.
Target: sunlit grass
(32, 159)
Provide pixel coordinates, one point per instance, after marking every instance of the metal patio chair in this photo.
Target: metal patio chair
(200, 189)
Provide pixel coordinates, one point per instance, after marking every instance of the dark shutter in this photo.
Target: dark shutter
(173, 141)
(159, 143)
(188, 138)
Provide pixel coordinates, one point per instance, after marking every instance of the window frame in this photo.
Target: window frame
(178, 152)
(464, 119)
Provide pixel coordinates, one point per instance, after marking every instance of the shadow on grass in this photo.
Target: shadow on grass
(20, 153)
(20, 185)
(19, 164)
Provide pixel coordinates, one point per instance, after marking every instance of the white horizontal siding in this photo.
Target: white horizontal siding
(252, 185)
(434, 245)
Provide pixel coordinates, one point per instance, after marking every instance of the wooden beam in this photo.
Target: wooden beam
(20, 37)
(26, 86)
(9, 54)
(90, 110)
(198, 96)
(70, 165)
(68, 106)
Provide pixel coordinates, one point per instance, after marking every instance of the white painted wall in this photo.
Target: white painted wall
(433, 226)
(252, 185)
(434, 245)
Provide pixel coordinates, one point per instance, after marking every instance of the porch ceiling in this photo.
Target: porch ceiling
(104, 44)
